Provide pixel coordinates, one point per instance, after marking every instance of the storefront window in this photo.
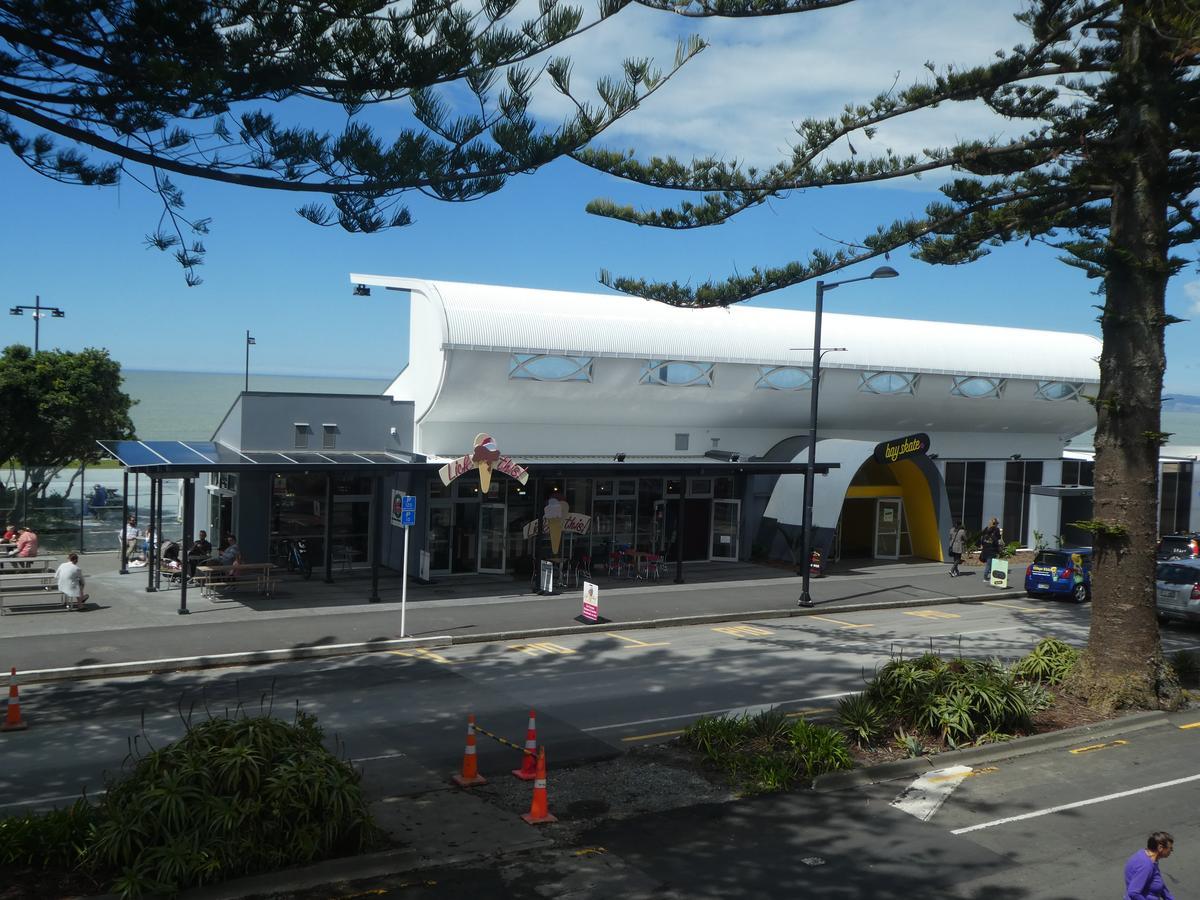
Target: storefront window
(723, 487)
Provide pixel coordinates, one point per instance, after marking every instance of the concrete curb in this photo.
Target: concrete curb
(289, 654)
(909, 768)
(222, 660)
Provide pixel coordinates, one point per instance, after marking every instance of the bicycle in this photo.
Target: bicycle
(294, 553)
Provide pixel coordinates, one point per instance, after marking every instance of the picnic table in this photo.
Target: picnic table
(23, 565)
(214, 579)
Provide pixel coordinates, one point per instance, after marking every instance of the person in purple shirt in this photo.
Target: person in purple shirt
(1143, 881)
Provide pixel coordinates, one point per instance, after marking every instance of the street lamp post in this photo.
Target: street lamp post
(39, 312)
(249, 341)
(815, 387)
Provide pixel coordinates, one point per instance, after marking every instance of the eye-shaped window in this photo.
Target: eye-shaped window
(888, 383)
(678, 373)
(783, 378)
(539, 367)
(1057, 390)
(977, 388)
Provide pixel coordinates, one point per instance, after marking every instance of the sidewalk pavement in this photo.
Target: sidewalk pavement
(126, 629)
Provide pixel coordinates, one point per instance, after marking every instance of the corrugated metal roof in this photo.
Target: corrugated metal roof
(512, 319)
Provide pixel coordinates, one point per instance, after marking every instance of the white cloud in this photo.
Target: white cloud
(743, 95)
(1191, 291)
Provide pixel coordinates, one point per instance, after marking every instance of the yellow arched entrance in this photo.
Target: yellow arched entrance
(903, 479)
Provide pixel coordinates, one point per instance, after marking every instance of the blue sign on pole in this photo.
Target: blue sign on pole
(408, 501)
(408, 510)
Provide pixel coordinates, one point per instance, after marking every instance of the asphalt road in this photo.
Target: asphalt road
(402, 717)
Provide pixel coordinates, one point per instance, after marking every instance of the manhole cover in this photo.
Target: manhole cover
(585, 809)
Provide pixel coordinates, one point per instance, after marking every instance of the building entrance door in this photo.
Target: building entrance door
(889, 514)
(725, 517)
(491, 537)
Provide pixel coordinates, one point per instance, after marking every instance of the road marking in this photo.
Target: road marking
(657, 734)
(840, 622)
(933, 614)
(542, 648)
(676, 731)
(38, 800)
(634, 642)
(1028, 609)
(925, 795)
(1077, 804)
(421, 653)
(1189, 725)
(1091, 747)
(590, 851)
(744, 631)
(974, 773)
(359, 759)
(747, 710)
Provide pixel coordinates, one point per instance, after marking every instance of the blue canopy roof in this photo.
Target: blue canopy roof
(179, 457)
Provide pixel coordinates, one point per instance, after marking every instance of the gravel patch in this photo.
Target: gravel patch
(643, 780)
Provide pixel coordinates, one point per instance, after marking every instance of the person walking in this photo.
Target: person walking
(990, 542)
(1143, 880)
(70, 582)
(958, 536)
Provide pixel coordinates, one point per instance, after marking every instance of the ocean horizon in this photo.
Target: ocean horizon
(189, 405)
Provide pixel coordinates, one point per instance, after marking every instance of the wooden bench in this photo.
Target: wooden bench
(39, 600)
(213, 580)
(26, 582)
(10, 565)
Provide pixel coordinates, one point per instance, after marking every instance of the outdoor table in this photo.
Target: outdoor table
(212, 577)
(24, 565)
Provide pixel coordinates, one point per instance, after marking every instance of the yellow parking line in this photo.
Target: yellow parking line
(1091, 747)
(933, 614)
(421, 654)
(1029, 609)
(744, 631)
(634, 642)
(1189, 725)
(986, 770)
(657, 734)
(840, 622)
(544, 647)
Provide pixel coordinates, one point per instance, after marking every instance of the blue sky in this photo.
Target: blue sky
(286, 280)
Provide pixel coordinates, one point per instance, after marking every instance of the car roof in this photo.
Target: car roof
(1190, 563)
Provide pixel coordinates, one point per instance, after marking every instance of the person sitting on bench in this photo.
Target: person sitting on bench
(70, 582)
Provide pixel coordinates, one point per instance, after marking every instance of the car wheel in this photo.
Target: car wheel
(1080, 593)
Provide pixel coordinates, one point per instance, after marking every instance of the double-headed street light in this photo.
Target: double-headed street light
(815, 387)
(39, 312)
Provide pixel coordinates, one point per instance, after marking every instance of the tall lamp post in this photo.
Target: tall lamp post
(809, 470)
(249, 341)
(39, 313)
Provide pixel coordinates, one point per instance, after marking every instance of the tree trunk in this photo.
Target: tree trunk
(1123, 663)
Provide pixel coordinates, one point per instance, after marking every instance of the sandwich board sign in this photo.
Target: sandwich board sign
(591, 606)
(999, 576)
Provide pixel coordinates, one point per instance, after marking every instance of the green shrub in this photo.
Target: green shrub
(234, 796)
(768, 751)
(1049, 662)
(909, 743)
(862, 718)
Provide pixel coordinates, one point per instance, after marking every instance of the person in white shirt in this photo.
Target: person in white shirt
(70, 582)
(131, 538)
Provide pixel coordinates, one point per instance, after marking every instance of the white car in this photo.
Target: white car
(1177, 585)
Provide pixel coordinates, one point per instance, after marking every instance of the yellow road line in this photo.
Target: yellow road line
(809, 712)
(986, 770)
(634, 642)
(590, 851)
(544, 647)
(421, 654)
(933, 614)
(1029, 609)
(840, 622)
(1189, 725)
(657, 734)
(744, 631)
(1091, 747)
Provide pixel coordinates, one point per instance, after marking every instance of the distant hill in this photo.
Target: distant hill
(1181, 403)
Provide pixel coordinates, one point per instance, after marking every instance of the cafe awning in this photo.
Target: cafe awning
(179, 459)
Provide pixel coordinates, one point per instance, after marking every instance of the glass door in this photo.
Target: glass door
(888, 513)
(464, 547)
(491, 540)
(439, 536)
(725, 518)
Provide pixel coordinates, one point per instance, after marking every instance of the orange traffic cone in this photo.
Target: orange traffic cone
(13, 720)
(539, 810)
(528, 770)
(470, 766)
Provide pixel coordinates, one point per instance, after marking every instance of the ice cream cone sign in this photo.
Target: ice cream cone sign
(484, 455)
(556, 509)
